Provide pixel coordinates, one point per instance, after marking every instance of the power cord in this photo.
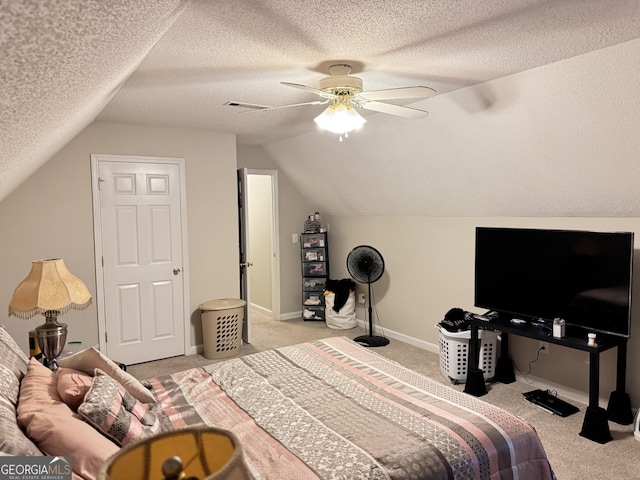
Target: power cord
(530, 363)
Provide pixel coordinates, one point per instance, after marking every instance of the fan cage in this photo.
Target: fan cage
(365, 253)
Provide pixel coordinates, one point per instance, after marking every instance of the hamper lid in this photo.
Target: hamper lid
(222, 304)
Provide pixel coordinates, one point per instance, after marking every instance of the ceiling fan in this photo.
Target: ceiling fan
(344, 92)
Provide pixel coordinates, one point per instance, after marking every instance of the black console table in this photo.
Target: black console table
(595, 425)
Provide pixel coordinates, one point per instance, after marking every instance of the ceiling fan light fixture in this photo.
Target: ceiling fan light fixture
(339, 118)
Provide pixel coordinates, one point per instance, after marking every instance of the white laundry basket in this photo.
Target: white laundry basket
(454, 352)
(345, 318)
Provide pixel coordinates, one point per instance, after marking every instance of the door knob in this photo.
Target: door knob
(176, 270)
(246, 264)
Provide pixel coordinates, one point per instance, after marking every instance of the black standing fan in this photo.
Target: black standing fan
(366, 265)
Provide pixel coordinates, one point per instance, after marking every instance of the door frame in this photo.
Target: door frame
(97, 242)
(275, 227)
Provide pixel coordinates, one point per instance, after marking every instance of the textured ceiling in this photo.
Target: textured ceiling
(60, 63)
(67, 62)
(242, 50)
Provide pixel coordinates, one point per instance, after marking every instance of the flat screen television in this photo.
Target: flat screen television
(583, 277)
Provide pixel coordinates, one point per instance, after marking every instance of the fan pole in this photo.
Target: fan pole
(371, 340)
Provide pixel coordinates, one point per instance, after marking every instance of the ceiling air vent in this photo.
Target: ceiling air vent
(251, 106)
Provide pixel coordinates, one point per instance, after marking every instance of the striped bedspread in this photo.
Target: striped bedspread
(332, 409)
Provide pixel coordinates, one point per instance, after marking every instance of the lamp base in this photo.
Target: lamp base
(52, 337)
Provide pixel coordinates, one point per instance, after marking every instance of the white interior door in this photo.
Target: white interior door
(142, 260)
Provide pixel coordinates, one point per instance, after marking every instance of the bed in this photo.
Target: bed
(327, 409)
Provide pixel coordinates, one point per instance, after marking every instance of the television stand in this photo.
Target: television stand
(595, 426)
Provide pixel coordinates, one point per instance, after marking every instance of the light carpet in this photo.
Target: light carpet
(571, 456)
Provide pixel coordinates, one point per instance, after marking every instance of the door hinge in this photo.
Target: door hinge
(100, 181)
(105, 337)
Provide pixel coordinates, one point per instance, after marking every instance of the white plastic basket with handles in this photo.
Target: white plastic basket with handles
(454, 353)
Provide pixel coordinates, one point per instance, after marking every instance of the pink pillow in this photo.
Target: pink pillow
(73, 385)
(52, 426)
(89, 359)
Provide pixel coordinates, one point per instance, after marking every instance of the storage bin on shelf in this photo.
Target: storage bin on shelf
(454, 352)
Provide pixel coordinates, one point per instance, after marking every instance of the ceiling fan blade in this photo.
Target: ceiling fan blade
(316, 102)
(397, 110)
(397, 93)
(252, 107)
(309, 89)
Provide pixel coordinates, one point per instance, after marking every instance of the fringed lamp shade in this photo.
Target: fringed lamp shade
(192, 453)
(50, 289)
(50, 286)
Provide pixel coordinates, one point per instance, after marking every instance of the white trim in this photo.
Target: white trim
(275, 292)
(428, 346)
(291, 315)
(424, 345)
(564, 392)
(97, 235)
(97, 249)
(260, 309)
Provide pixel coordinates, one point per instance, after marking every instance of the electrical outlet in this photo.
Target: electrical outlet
(361, 298)
(544, 346)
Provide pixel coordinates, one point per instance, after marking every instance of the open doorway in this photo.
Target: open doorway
(260, 271)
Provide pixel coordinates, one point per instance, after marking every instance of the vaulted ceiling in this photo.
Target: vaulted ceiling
(66, 63)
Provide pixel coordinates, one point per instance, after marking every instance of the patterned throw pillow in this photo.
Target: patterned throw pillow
(13, 366)
(110, 408)
(13, 441)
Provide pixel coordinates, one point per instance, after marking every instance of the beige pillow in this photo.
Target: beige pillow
(73, 385)
(88, 360)
(54, 428)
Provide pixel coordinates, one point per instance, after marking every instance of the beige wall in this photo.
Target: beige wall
(50, 215)
(429, 261)
(430, 269)
(293, 209)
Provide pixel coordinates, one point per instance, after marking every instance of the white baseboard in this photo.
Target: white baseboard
(290, 315)
(261, 309)
(430, 347)
(564, 392)
(194, 349)
(377, 330)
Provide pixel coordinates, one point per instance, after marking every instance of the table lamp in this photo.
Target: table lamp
(195, 453)
(50, 289)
